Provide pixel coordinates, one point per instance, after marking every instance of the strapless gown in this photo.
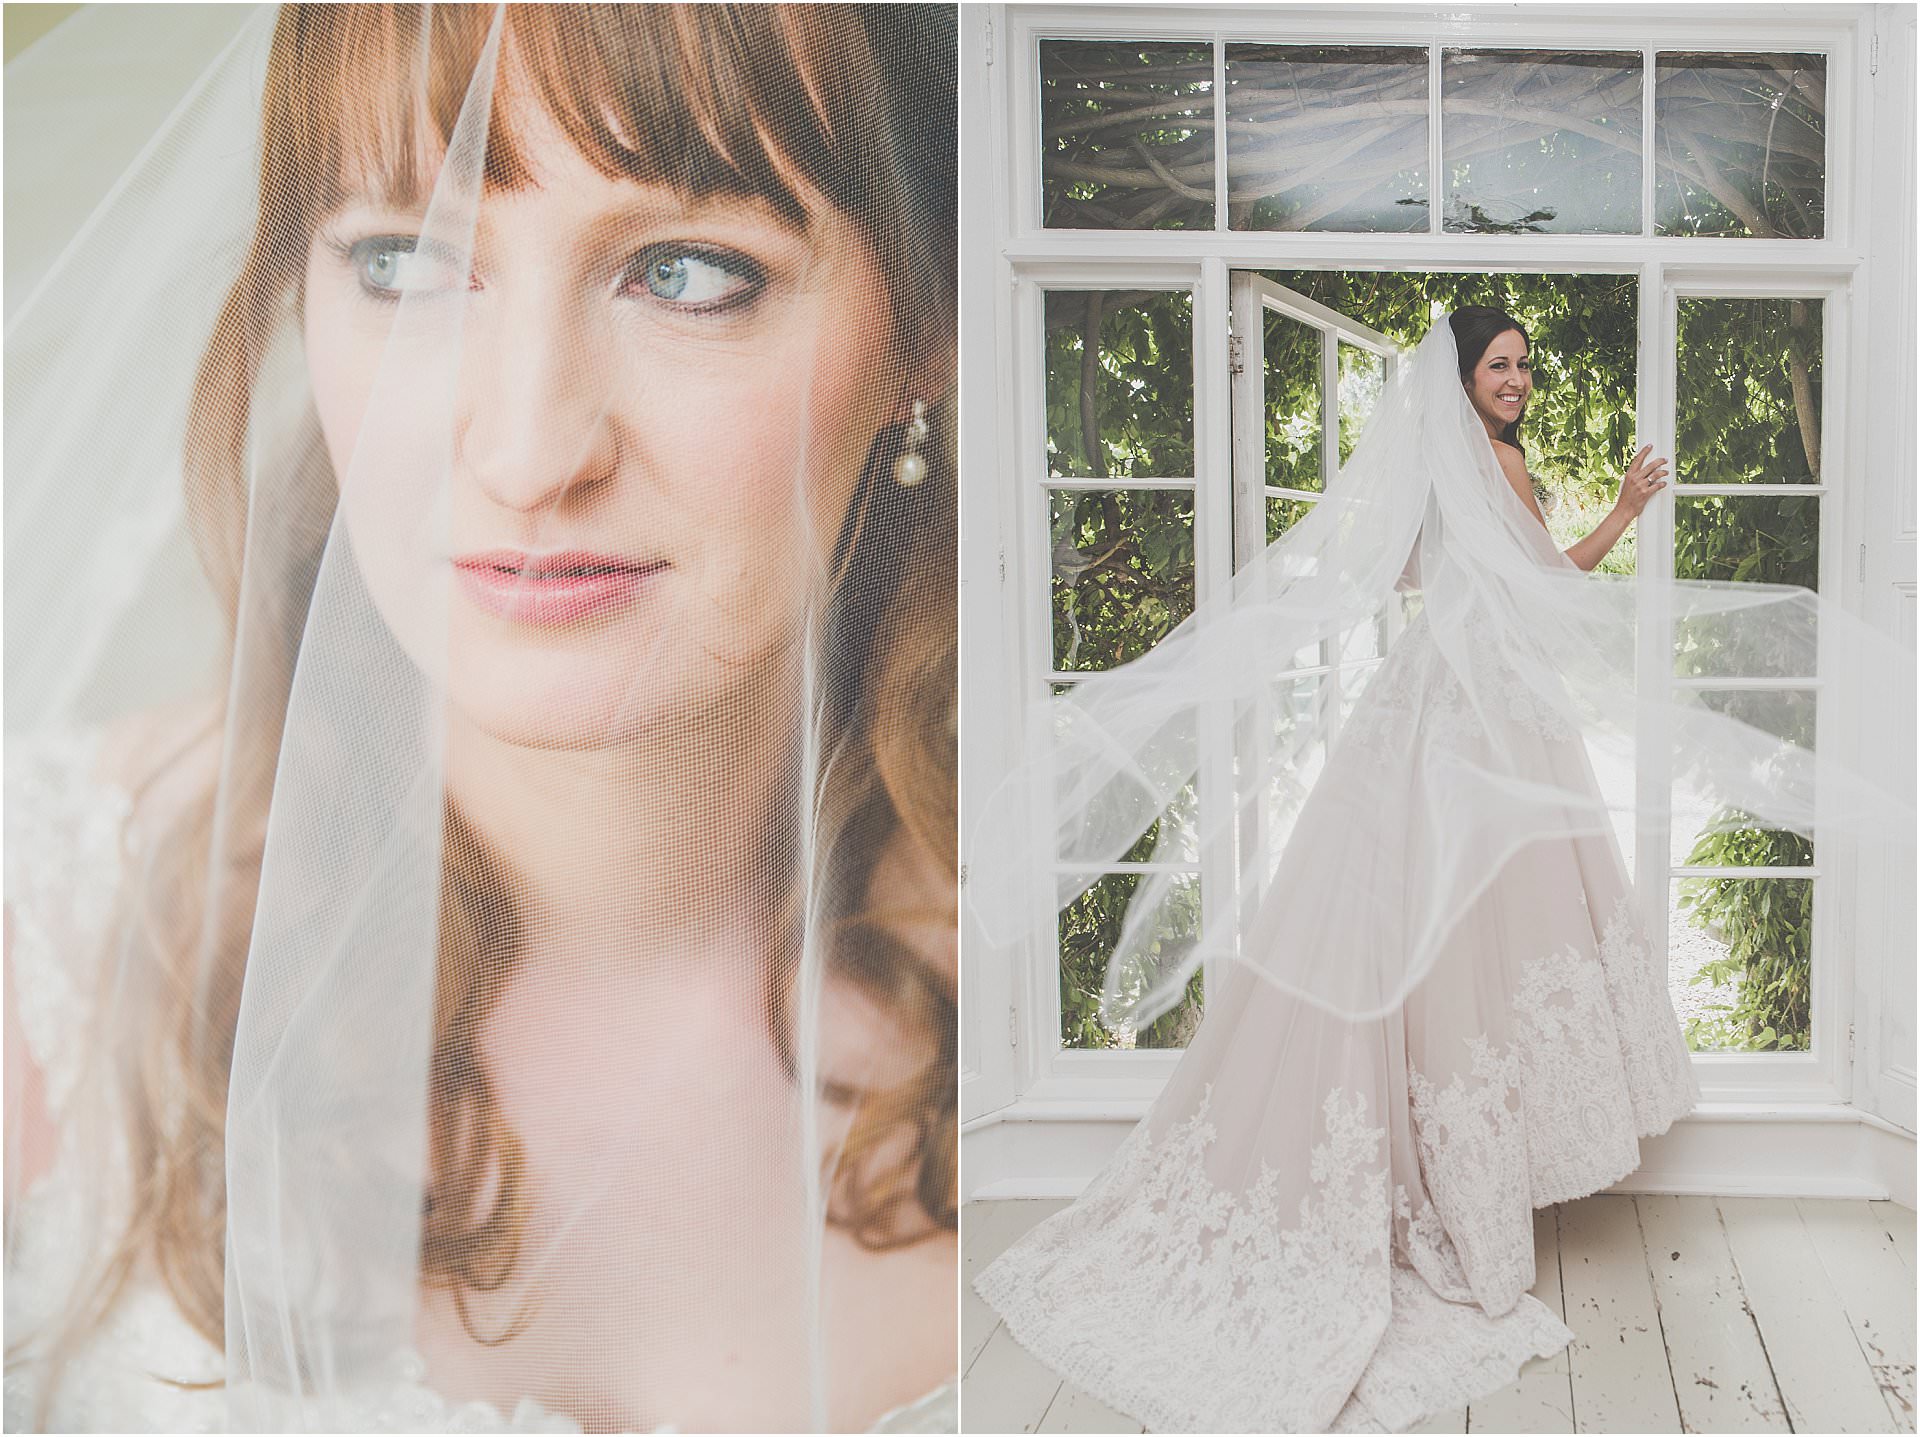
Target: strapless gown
(1323, 1225)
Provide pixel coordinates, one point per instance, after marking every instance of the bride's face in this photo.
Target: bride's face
(612, 450)
(1502, 381)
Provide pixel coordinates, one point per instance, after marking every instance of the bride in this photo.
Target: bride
(1443, 1012)
(480, 750)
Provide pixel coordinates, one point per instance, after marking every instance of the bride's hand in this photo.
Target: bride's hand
(1643, 479)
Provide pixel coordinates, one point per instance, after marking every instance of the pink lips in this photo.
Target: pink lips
(551, 588)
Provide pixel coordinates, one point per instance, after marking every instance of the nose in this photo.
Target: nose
(535, 428)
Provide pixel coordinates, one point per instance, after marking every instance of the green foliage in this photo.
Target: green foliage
(1120, 384)
(1767, 925)
(1089, 929)
(1748, 393)
(1122, 572)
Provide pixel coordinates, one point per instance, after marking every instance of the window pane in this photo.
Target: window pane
(1739, 963)
(1364, 641)
(1540, 142)
(1293, 758)
(1293, 401)
(1362, 375)
(1283, 513)
(1122, 572)
(1126, 135)
(1707, 830)
(1120, 384)
(1762, 538)
(1740, 145)
(1748, 397)
(1089, 930)
(1163, 834)
(1327, 138)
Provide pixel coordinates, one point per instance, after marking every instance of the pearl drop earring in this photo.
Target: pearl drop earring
(910, 469)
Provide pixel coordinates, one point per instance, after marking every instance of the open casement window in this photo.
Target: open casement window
(1305, 380)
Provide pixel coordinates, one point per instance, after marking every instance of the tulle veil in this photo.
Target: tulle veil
(304, 1005)
(1197, 747)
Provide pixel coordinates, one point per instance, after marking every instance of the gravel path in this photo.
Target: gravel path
(1687, 948)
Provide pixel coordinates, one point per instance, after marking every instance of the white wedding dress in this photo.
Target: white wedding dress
(1326, 1225)
(145, 1368)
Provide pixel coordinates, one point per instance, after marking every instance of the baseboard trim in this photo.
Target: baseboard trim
(1811, 1150)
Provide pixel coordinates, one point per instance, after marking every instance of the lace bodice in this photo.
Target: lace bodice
(65, 831)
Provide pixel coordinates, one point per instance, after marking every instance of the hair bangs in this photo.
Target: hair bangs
(715, 101)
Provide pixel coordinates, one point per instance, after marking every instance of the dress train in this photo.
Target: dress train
(1324, 1225)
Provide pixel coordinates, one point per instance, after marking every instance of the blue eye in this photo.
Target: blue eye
(389, 266)
(696, 279)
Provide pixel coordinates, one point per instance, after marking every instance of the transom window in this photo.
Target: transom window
(1431, 138)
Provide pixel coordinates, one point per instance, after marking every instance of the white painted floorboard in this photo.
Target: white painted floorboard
(1690, 1314)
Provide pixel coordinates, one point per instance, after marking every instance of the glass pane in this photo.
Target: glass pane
(1122, 572)
(1293, 401)
(1089, 929)
(1169, 834)
(1762, 538)
(1120, 384)
(1748, 395)
(1540, 142)
(1362, 375)
(1740, 145)
(1293, 760)
(1739, 963)
(1283, 513)
(1708, 831)
(1327, 138)
(1364, 641)
(1126, 136)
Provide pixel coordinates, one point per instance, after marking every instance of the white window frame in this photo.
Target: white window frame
(1027, 257)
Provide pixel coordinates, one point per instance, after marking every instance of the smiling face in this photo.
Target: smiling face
(1502, 381)
(592, 464)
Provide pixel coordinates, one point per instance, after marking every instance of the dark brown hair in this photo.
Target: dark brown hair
(1475, 326)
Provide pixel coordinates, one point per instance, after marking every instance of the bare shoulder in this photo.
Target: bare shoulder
(1512, 461)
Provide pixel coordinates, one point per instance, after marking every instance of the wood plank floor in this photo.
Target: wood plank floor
(1689, 1314)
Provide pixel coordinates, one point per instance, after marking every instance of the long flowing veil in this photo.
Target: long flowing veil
(488, 470)
(1197, 747)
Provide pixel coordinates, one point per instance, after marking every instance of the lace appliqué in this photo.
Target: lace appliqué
(1213, 1311)
(1438, 1354)
(1537, 715)
(1413, 691)
(1473, 1157)
(1579, 1110)
(1659, 1066)
(1418, 689)
(1597, 1060)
